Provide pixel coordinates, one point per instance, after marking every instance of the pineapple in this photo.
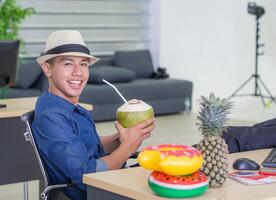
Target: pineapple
(212, 122)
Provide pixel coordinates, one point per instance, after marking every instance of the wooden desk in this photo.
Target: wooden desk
(17, 106)
(18, 162)
(132, 184)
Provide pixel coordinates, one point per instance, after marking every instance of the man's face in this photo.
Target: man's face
(67, 76)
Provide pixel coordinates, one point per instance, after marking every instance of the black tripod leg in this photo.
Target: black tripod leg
(260, 94)
(267, 90)
(239, 88)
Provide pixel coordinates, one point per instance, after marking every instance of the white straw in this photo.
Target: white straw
(115, 90)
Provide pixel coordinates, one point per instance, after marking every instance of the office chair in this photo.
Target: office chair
(28, 119)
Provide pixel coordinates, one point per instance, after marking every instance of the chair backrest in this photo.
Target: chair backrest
(8, 55)
(56, 194)
(28, 119)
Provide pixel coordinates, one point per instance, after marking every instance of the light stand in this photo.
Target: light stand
(258, 11)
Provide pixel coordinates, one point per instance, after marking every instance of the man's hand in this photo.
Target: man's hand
(134, 136)
(130, 140)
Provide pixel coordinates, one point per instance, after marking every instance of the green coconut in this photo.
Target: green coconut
(130, 114)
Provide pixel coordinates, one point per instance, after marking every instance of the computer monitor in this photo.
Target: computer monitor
(8, 62)
(9, 51)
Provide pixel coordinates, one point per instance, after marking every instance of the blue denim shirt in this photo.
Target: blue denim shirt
(68, 142)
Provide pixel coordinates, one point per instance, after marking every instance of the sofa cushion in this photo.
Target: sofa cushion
(105, 61)
(27, 74)
(144, 89)
(41, 83)
(111, 74)
(138, 61)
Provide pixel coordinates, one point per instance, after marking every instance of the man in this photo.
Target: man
(65, 132)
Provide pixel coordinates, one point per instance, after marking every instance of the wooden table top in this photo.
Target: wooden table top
(17, 106)
(132, 182)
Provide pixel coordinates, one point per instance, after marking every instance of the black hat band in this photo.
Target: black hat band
(68, 48)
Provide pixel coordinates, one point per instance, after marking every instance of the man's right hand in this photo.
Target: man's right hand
(130, 139)
(134, 136)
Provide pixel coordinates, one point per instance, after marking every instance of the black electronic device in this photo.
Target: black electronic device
(245, 164)
(270, 160)
(8, 55)
(258, 11)
(9, 51)
(254, 9)
(3, 105)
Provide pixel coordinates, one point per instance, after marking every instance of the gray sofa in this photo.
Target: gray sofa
(129, 71)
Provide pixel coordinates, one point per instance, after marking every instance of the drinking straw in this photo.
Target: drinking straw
(114, 87)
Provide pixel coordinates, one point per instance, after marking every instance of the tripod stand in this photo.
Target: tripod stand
(256, 77)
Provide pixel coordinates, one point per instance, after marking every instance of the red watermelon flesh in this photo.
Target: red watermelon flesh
(195, 178)
(178, 186)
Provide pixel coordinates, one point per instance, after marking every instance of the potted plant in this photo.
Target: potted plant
(11, 16)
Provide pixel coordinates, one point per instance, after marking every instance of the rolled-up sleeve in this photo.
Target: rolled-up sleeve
(101, 165)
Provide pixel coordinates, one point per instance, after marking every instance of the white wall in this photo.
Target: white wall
(106, 26)
(212, 43)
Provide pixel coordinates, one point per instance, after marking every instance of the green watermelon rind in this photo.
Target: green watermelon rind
(176, 193)
(175, 190)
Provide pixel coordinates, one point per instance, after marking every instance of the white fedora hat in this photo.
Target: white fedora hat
(65, 43)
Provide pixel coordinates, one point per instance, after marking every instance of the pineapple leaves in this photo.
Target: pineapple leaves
(212, 115)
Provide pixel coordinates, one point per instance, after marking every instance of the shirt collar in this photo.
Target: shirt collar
(61, 101)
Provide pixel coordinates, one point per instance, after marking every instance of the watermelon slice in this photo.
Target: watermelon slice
(178, 186)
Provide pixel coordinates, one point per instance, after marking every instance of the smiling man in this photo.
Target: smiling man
(69, 76)
(64, 131)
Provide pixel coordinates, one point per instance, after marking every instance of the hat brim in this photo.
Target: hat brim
(92, 59)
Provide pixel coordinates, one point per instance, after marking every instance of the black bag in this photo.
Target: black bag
(160, 74)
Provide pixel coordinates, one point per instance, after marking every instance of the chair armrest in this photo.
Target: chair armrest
(52, 187)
